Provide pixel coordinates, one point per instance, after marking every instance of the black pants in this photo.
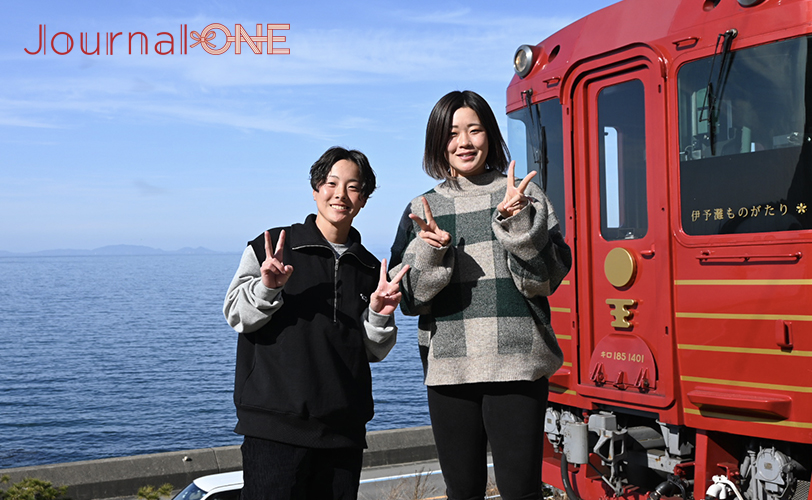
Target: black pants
(509, 415)
(279, 471)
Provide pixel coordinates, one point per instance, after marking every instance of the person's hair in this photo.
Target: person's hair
(438, 133)
(321, 169)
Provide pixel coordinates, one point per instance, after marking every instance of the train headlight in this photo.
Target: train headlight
(523, 60)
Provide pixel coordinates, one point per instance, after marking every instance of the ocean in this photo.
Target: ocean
(109, 356)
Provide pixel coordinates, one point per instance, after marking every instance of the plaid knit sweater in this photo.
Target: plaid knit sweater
(484, 316)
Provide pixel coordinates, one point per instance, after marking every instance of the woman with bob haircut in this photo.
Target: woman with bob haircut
(485, 252)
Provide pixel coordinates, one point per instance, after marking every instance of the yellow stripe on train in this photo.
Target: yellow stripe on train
(752, 385)
(770, 317)
(742, 350)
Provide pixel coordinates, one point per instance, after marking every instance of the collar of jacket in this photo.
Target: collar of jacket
(308, 235)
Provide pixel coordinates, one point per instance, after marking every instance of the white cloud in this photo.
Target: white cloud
(233, 90)
(19, 121)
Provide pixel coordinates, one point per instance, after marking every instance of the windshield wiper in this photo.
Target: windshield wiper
(711, 98)
(539, 133)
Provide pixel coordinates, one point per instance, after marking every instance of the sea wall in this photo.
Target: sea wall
(123, 476)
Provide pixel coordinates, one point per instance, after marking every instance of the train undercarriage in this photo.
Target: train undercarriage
(617, 452)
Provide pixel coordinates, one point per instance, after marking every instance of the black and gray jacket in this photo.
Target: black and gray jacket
(303, 353)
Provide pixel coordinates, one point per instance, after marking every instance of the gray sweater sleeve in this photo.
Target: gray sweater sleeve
(381, 334)
(430, 271)
(538, 258)
(431, 268)
(249, 304)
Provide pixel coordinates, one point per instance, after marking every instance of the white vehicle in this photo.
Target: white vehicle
(224, 486)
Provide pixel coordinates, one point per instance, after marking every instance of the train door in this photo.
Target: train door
(624, 286)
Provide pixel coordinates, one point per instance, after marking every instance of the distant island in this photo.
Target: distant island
(112, 250)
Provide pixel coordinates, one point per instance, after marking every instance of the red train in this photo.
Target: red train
(674, 138)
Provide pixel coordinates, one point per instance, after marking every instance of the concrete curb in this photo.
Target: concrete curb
(123, 476)
(399, 446)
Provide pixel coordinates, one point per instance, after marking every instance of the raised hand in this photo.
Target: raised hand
(430, 232)
(387, 296)
(515, 199)
(274, 272)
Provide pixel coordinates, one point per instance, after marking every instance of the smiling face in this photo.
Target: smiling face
(339, 199)
(467, 147)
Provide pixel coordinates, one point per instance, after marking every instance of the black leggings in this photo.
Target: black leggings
(509, 415)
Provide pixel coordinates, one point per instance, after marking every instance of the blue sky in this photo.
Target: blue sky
(209, 150)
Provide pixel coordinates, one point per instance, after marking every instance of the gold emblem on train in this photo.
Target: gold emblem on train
(621, 312)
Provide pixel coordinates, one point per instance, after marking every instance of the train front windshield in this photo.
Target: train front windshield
(751, 170)
(536, 142)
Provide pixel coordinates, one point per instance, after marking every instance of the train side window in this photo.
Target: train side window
(536, 140)
(612, 175)
(745, 135)
(622, 149)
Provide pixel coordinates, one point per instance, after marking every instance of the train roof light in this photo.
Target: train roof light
(523, 60)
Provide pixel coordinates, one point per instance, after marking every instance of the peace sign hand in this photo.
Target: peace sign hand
(515, 200)
(430, 232)
(386, 297)
(274, 272)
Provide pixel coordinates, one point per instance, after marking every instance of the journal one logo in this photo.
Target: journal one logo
(216, 39)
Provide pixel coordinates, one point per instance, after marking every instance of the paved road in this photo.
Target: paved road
(414, 481)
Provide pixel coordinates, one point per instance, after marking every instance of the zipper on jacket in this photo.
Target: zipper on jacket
(335, 291)
(335, 271)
